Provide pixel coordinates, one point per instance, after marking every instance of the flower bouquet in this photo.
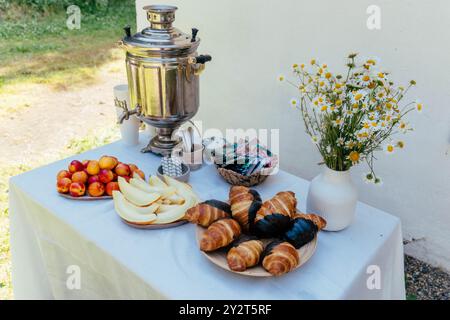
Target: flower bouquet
(349, 117)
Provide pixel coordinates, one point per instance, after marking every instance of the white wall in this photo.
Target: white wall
(252, 41)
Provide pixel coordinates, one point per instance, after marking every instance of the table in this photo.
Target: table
(54, 239)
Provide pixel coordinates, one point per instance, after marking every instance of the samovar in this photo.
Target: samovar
(163, 69)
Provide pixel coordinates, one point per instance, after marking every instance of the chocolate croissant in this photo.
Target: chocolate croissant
(273, 218)
(245, 254)
(320, 222)
(301, 232)
(280, 258)
(284, 203)
(208, 212)
(220, 234)
(241, 200)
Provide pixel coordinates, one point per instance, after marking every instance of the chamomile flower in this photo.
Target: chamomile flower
(369, 177)
(373, 61)
(364, 107)
(338, 122)
(365, 79)
(315, 139)
(381, 76)
(348, 112)
(354, 157)
(358, 96)
(372, 116)
(340, 141)
(362, 135)
(378, 182)
(294, 102)
(381, 94)
(350, 144)
(389, 148)
(419, 106)
(403, 127)
(374, 125)
(324, 108)
(366, 124)
(339, 87)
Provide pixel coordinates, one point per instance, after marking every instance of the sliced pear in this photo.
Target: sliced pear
(131, 213)
(156, 182)
(137, 196)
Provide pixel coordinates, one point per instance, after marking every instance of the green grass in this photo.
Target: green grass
(39, 48)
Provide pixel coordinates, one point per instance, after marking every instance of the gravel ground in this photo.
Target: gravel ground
(424, 282)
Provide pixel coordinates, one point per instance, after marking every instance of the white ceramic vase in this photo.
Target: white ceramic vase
(333, 196)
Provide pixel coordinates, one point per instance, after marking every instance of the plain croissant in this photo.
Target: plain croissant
(245, 255)
(208, 212)
(220, 234)
(241, 199)
(280, 258)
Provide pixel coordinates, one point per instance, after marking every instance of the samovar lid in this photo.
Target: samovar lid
(161, 37)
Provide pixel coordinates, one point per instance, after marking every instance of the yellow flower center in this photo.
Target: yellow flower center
(313, 61)
(381, 75)
(354, 156)
(328, 75)
(390, 148)
(366, 78)
(358, 97)
(295, 66)
(401, 144)
(419, 107)
(324, 108)
(338, 103)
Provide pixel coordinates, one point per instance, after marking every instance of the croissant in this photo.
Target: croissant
(280, 258)
(274, 216)
(208, 212)
(241, 200)
(245, 254)
(320, 222)
(283, 203)
(220, 234)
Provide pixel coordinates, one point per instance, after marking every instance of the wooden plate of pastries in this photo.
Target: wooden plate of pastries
(255, 238)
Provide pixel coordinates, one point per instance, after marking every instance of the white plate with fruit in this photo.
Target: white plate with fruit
(92, 180)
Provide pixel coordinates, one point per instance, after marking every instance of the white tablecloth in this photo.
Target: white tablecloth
(50, 233)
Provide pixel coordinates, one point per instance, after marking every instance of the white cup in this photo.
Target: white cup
(129, 129)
